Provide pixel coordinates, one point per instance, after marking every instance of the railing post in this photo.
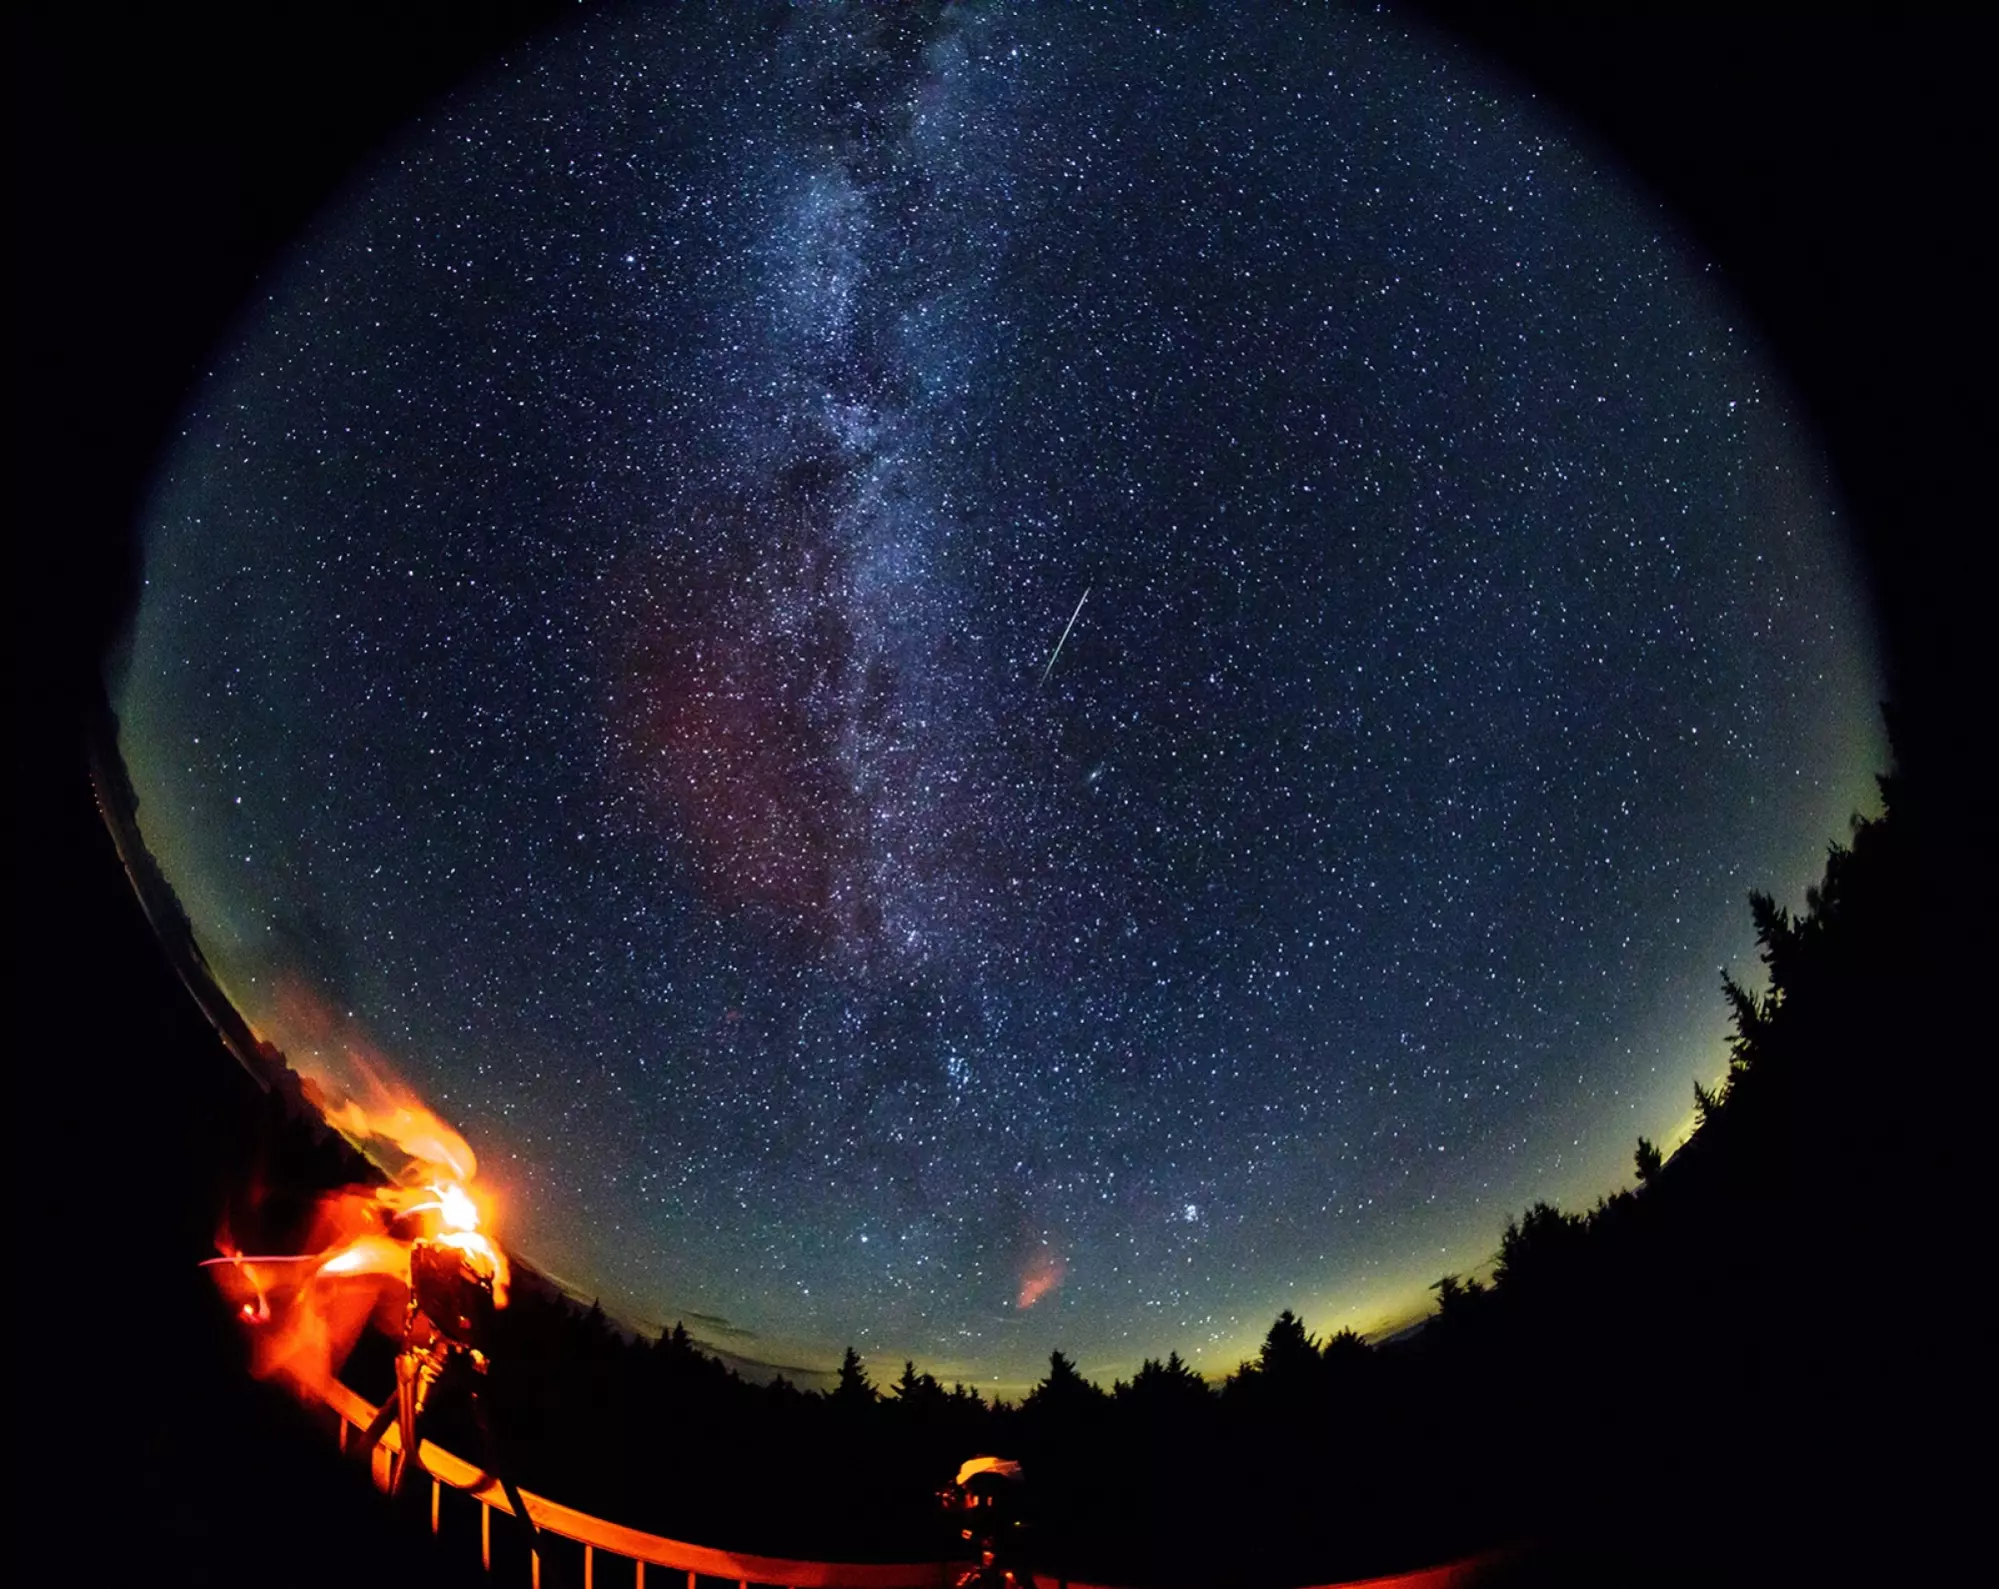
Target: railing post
(436, 1498)
(486, 1534)
(638, 1575)
(589, 1567)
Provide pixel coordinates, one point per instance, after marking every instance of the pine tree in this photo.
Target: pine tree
(1345, 1348)
(918, 1393)
(1538, 1248)
(1064, 1392)
(853, 1389)
(1289, 1356)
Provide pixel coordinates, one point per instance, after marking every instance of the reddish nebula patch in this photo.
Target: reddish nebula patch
(726, 726)
(1042, 1274)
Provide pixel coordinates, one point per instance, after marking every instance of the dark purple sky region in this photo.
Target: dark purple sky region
(595, 653)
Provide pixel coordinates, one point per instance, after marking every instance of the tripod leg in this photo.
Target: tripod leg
(495, 1464)
(384, 1415)
(413, 1378)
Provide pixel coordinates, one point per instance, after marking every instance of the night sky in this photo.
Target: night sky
(1045, 676)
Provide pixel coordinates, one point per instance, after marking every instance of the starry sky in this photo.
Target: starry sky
(979, 678)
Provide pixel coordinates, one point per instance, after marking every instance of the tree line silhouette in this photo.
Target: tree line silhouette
(1699, 1362)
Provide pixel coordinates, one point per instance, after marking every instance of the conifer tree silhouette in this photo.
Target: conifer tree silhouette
(853, 1390)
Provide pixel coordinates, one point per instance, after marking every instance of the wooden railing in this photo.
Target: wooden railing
(598, 1537)
(662, 1555)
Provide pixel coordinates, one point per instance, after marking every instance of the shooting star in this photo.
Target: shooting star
(1059, 644)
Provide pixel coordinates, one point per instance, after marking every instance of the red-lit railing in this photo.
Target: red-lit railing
(653, 1555)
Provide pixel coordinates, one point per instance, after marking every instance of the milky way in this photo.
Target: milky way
(981, 678)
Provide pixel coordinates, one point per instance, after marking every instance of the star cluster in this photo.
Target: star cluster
(992, 677)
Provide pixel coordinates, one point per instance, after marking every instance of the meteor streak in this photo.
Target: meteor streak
(1059, 644)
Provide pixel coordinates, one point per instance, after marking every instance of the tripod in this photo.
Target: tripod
(985, 1499)
(450, 1306)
